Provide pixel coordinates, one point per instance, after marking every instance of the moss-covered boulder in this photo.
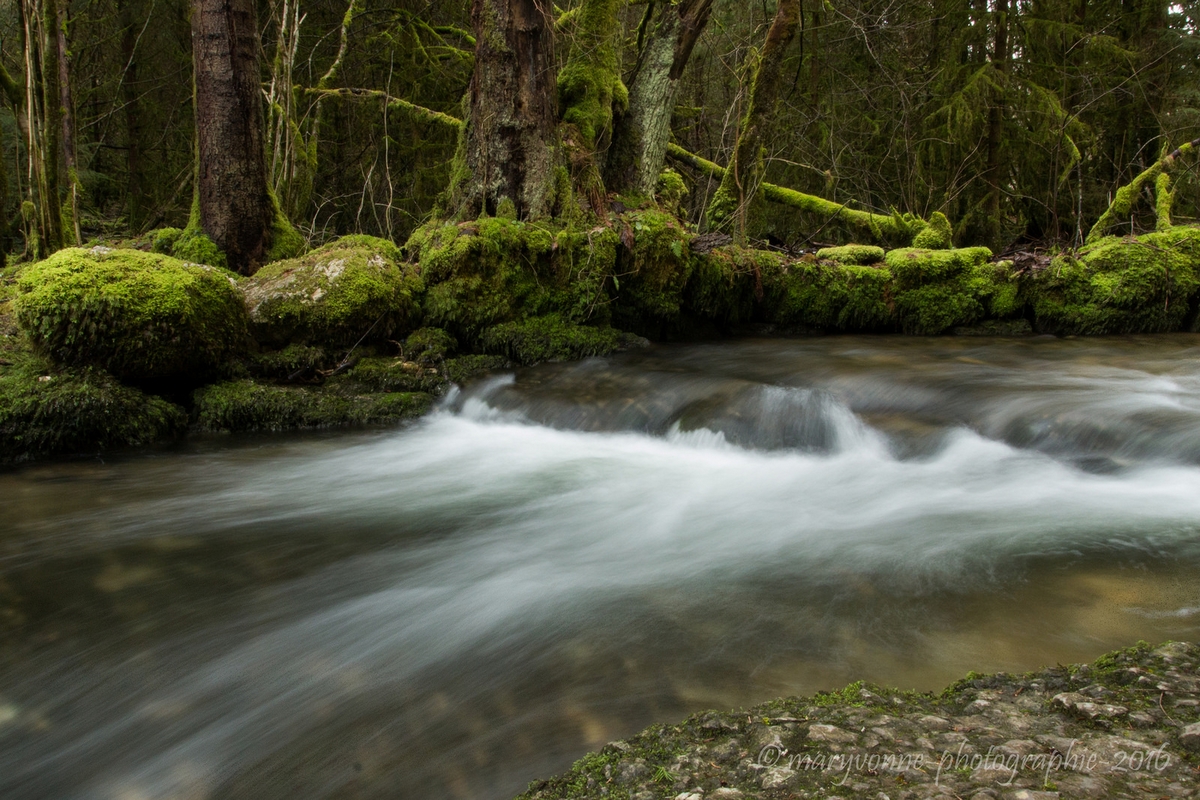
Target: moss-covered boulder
(429, 345)
(551, 338)
(653, 267)
(351, 289)
(247, 405)
(144, 317)
(811, 293)
(493, 271)
(49, 410)
(388, 375)
(1143, 284)
(857, 255)
(937, 235)
(936, 290)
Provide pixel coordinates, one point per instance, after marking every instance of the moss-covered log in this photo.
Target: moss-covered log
(1122, 203)
(900, 228)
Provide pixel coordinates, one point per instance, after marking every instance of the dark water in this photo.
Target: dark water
(564, 555)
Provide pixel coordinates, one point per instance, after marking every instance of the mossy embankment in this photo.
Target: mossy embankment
(364, 331)
(1126, 726)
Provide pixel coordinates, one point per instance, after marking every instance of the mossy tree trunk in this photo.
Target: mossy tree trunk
(508, 156)
(235, 205)
(10, 90)
(731, 205)
(669, 33)
(589, 88)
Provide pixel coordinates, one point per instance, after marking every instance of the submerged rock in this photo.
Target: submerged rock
(144, 317)
(994, 736)
(353, 289)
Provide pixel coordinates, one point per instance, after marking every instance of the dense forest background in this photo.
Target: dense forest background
(1017, 121)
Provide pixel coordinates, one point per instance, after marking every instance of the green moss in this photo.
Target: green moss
(1144, 284)
(163, 240)
(387, 375)
(353, 288)
(429, 345)
(249, 406)
(828, 295)
(288, 361)
(936, 290)
(722, 284)
(671, 190)
(859, 255)
(141, 316)
(652, 278)
(494, 271)
(286, 241)
(194, 246)
(589, 84)
(464, 368)
(550, 338)
(937, 235)
(49, 410)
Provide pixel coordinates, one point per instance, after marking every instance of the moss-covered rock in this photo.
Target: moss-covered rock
(247, 405)
(388, 375)
(144, 317)
(294, 358)
(724, 284)
(484, 273)
(857, 255)
(1144, 284)
(49, 410)
(936, 290)
(824, 294)
(429, 345)
(353, 288)
(652, 273)
(550, 338)
(464, 368)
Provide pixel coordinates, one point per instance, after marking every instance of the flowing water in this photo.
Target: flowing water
(563, 555)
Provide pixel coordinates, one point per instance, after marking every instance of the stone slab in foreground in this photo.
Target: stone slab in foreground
(1127, 726)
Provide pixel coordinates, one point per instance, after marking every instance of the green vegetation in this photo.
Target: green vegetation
(550, 338)
(857, 255)
(246, 405)
(353, 289)
(141, 316)
(47, 409)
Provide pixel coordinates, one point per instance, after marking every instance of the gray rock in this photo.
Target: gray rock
(830, 733)
(1190, 737)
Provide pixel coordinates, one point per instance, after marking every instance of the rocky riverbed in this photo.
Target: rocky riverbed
(1126, 726)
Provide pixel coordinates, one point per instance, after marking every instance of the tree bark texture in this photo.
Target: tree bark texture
(994, 176)
(234, 202)
(742, 178)
(67, 111)
(641, 134)
(508, 152)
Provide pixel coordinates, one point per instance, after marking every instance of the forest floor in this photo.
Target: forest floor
(1127, 726)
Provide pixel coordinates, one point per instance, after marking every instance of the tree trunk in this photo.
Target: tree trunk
(129, 99)
(235, 204)
(51, 130)
(731, 204)
(508, 156)
(994, 176)
(67, 113)
(640, 138)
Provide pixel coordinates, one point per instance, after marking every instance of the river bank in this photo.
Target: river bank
(1126, 726)
(104, 348)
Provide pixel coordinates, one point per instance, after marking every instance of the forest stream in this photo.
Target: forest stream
(559, 556)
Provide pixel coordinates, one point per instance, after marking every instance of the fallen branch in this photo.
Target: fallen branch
(427, 114)
(882, 226)
(1122, 202)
